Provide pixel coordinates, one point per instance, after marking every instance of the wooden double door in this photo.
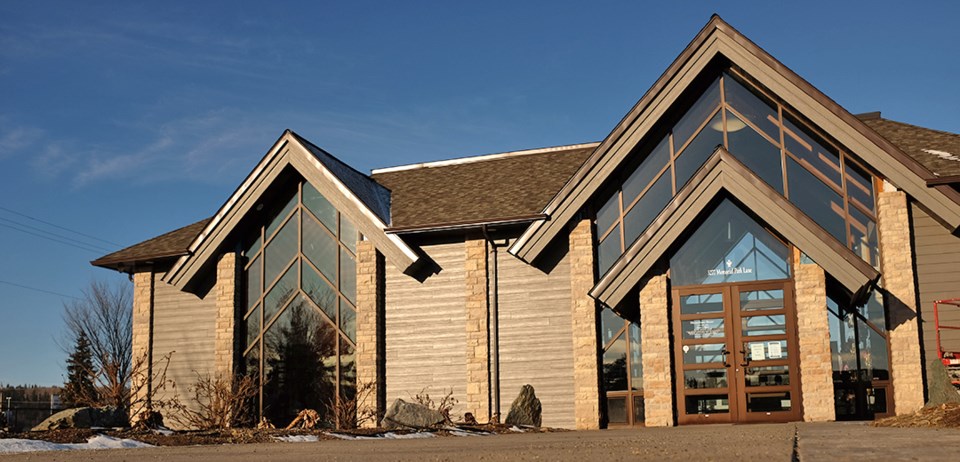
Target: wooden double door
(736, 355)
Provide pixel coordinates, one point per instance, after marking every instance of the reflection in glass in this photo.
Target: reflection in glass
(753, 300)
(812, 151)
(348, 234)
(757, 109)
(319, 291)
(873, 353)
(608, 214)
(320, 206)
(610, 325)
(701, 304)
(863, 237)
(615, 366)
(697, 152)
(348, 320)
(707, 404)
(284, 290)
(860, 358)
(617, 409)
(638, 409)
(817, 200)
(253, 283)
(729, 246)
(636, 363)
(281, 215)
(769, 402)
(281, 250)
(703, 353)
(251, 325)
(705, 378)
(702, 328)
(609, 250)
(646, 172)
(646, 210)
(767, 376)
(859, 186)
(764, 325)
(348, 276)
(756, 152)
(320, 248)
(694, 117)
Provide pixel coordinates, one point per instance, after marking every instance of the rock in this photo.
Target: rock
(411, 415)
(526, 409)
(469, 419)
(84, 417)
(940, 389)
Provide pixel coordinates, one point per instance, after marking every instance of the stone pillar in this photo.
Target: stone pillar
(142, 339)
(655, 345)
(477, 325)
(896, 264)
(370, 333)
(228, 298)
(586, 378)
(813, 327)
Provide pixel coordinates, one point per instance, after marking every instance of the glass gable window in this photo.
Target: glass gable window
(815, 174)
(300, 276)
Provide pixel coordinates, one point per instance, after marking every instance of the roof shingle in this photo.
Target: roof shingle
(169, 245)
(938, 151)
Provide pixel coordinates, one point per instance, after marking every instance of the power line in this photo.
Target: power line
(88, 249)
(59, 227)
(50, 292)
(77, 241)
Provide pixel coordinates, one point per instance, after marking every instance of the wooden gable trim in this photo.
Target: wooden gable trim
(723, 172)
(287, 151)
(719, 38)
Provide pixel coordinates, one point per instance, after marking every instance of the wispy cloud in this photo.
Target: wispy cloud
(14, 139)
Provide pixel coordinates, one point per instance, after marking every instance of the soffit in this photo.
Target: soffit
(719, 38)
(723, 173)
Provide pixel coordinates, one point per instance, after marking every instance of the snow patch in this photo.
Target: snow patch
(942, 154)
(297, 438)
(387, 436)
(517, 429)
(13, 445)
(455, 431)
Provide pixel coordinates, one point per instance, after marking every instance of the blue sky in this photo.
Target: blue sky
(123, 121)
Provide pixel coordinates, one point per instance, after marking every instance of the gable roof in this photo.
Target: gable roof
(494, 188)
(352, 193)
(938, 151)
(723, 173)
(166, 246)
(718, 38)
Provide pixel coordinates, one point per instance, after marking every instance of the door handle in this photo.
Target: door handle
(723, 354)
(746, 359)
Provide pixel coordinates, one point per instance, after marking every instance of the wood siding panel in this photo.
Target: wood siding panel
(937, 257)
(425, 329)
(185, 325)
(536, 337)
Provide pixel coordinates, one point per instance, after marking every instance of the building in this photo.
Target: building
(739, 248)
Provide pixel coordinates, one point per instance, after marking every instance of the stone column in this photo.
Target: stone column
(371, 274)
(655, 345)
(142, 339)
(813, 327)
(896, 264)
(228, 298)
(586, 378)
(477, 325)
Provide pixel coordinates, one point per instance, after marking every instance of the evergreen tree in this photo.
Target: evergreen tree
(79, 389)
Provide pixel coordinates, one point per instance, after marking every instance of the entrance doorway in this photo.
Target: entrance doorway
(736, 353)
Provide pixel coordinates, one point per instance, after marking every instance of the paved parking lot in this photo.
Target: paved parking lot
(768, 442)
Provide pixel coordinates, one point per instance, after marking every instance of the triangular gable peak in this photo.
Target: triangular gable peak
(724, 174)
(363, 201)
(718, 40)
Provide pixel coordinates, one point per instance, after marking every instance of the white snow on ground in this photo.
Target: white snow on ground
(461, 432)
(11, 445)
(388, 436)
(297, 438)
(516, 429)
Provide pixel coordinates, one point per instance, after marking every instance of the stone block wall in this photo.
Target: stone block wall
(478, 357)
(655, 345)
(586, 377)
(228, 299)
(370, 305)
(896, 264)
(142, 340)
(816, 368)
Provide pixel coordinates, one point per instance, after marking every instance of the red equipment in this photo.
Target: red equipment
(950, 359)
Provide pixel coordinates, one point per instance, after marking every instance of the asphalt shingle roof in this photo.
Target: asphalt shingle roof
(169, 245)
(938, 151)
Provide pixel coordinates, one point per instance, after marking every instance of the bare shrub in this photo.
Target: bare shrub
(444, 406)
(346, 414)
(217, 403)
(148, 397)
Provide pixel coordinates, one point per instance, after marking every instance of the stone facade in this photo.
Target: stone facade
(477, 329)
(586, 378)
(816, 368)
(655, 345)
(370, 346)
(142, 340)
(228, 298)
(896, 264)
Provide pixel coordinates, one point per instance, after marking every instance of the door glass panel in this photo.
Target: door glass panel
(615, 365)
(764, 325)
(638, 409)
(877, 400)
(701, 304)
(767, 376)
(636, 361)
(705, 378)
(761, 300)
(873, 353)
(766, 350)
(769, 402)
(617, 409)
(694, 155)
(707, 404)
(703, 328)
(729, 246)
(703, 353)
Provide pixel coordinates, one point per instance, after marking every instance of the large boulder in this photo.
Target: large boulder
(411, 415)
(526, 409)
(84, 417)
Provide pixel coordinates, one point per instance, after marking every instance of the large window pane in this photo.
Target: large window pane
(608, 214)
(321, 248)
(756, 109)
(636, 360)
(319, 291)
(817, 200)
(695, 116)
(281, 215)
(348, 320)
(811, 150)
(701, 304)
(755, 152)
(254, 283)
(284, 290)
(873, 353)
(859, 186)
(646, 210)
(609, 250)
(610, 325)
(348, 276)
(348, 233)
(615, 366)
(863, 237)
(320, 207)
(646, 171)
(281, 250)
(694, 155)
(705, 378)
